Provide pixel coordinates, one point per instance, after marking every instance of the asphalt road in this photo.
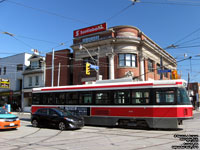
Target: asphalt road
(100, 138)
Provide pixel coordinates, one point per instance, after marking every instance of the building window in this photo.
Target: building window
(37, 80)
(4, 70)
(34, 64)
(150, 65)
(20, 67)
(127, 60)
(30, 81)
(158, 67)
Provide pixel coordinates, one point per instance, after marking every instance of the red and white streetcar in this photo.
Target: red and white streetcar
(155, 104)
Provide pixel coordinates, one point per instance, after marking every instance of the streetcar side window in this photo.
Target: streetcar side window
(85, 98)
(165, 96)
(60, 98)
(50, 98)
(103, 98)
(36, 99)
(72, 98)
(140, 97)
(121, 97)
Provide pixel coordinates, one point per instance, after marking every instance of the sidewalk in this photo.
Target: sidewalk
(23, 115)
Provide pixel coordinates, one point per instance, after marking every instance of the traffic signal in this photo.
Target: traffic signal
(87, 70)
(174, 74)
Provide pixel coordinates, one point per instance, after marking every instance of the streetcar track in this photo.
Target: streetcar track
(18, 147)
(14, 139)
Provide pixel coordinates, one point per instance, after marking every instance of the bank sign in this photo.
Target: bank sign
(4, 83)
(90, 30)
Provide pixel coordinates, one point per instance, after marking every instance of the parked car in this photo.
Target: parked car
(8, 120)
(60, 118)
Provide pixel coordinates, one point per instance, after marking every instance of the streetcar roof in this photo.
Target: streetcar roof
(114, 86)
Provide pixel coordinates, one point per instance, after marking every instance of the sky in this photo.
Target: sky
(48, 24)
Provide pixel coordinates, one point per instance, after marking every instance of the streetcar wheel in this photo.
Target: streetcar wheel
(61, 126)
(35, 123)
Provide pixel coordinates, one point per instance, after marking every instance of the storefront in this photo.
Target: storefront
(12, 98)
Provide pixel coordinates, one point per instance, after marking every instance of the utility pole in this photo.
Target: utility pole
(52, 68)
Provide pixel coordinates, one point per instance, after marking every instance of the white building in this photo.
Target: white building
(34, 76)
(11, 68)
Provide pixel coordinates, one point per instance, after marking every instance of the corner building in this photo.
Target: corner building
(120, 51)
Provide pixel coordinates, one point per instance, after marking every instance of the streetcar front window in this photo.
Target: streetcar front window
(182, 97)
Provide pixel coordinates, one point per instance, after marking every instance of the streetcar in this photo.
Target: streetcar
(162, 104)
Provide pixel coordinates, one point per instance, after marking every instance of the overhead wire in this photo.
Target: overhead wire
(121, 11)
(49, 12)
(171, 3)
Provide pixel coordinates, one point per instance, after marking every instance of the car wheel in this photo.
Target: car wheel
(35, 123)
(62, 126)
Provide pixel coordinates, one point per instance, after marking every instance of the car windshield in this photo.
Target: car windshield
(64, 112)
(3, 111)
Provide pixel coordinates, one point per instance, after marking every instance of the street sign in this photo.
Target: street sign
(94, 67)
(163, 71)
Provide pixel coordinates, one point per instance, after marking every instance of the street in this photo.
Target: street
(100, 138)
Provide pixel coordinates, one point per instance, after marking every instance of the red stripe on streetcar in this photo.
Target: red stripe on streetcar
(142, 112)
(179, 83)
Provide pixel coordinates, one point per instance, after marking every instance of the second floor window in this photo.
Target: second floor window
(30, 81)
(35, 64)
(37, 80)
(20, 67)
(127, 60)
(4, 70)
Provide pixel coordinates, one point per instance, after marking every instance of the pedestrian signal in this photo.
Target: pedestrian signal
(87, 70)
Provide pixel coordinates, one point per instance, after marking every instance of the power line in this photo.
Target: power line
(187, 36)
(171, 3)
(48, 12)
(121, 11)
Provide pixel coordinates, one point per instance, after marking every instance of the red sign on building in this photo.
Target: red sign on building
(90, 30)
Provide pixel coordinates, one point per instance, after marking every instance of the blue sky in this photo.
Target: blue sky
(44, 24)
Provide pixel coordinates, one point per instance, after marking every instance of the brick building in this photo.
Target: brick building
(119, 51)
(62, 72)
